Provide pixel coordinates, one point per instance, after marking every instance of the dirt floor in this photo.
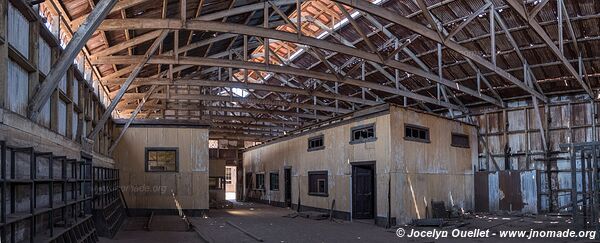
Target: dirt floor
(250, 222)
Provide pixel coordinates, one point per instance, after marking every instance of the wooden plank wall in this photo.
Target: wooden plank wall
(334, 158)
(433, 171)
(190, 184)
(417, 172)
(72, 110)
(568, 119)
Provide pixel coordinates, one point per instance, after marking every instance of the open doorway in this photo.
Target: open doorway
(230, 182)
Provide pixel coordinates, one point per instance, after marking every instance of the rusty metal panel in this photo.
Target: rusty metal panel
(516, 120)
(511, 198)
(506, 190)
(580, 114)
(517, 142)
(559, 116)
(496, 144)
(496, 122)
(482, 199)
(494, 192)
(529, 191)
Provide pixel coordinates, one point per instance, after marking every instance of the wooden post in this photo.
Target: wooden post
(83, 34)
(3, 51)
(125, 86)
(131, 118)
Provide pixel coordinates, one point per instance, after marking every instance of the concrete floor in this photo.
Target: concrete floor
(269, 224)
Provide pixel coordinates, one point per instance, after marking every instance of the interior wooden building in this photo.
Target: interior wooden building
(297, 120)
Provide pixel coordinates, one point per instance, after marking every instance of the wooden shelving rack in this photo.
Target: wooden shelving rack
(44, 197)
(108, 208)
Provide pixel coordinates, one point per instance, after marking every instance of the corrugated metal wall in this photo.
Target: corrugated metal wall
(18, 30)
(513, 136)
(18, 88)
(507, 191)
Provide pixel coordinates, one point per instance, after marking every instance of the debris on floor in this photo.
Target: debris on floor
(313, 215)
(428, 222)
(291, 215)
(220, 204)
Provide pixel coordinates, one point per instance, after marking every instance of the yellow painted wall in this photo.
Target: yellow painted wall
(190, 184)
(335, 158)
(416, 171)
(430, 171)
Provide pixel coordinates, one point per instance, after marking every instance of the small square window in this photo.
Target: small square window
(249, 180)
(274, 181)
(363, 134)
(416, 133)
(317, 183)
(228, 176)
(260, 181)
(460, 140)
(162, 160)
(216, 183)
(316, 143)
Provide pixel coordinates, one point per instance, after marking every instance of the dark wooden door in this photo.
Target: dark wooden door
(363, 192)
(288, 186)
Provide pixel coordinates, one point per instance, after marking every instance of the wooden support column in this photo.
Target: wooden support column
(245, 57)
(266, 47)
(79, 39)
(439, 62)
(299, 16)
(34, 77)
(527, 140)
(183, 11)
(131, 118)
(493, 35)
(3, 52)
(125, 86)
(507, 149)
(560, 27)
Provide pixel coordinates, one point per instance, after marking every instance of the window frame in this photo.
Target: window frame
(326, 181)
(20, 15)
(271, 180)
(363, 140)
(417, 127)
(256, 181)
(16, 101)
(310, 139)
(248, 179)
(148, 149)
(228, 171)
(459, 145)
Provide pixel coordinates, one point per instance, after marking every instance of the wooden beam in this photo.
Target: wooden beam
(121, 5)
(290, 37)
(243, 100)
(249, 119)
(213, 16)
(433, 35)
(358, 29)
(200, 61)
(131, 118)
(468, 20)
(79, 39)
(197, 106)
(127, 44)
(537, 9)
(518, 7)
(213, 135)
(256, 86)
(132, 76)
